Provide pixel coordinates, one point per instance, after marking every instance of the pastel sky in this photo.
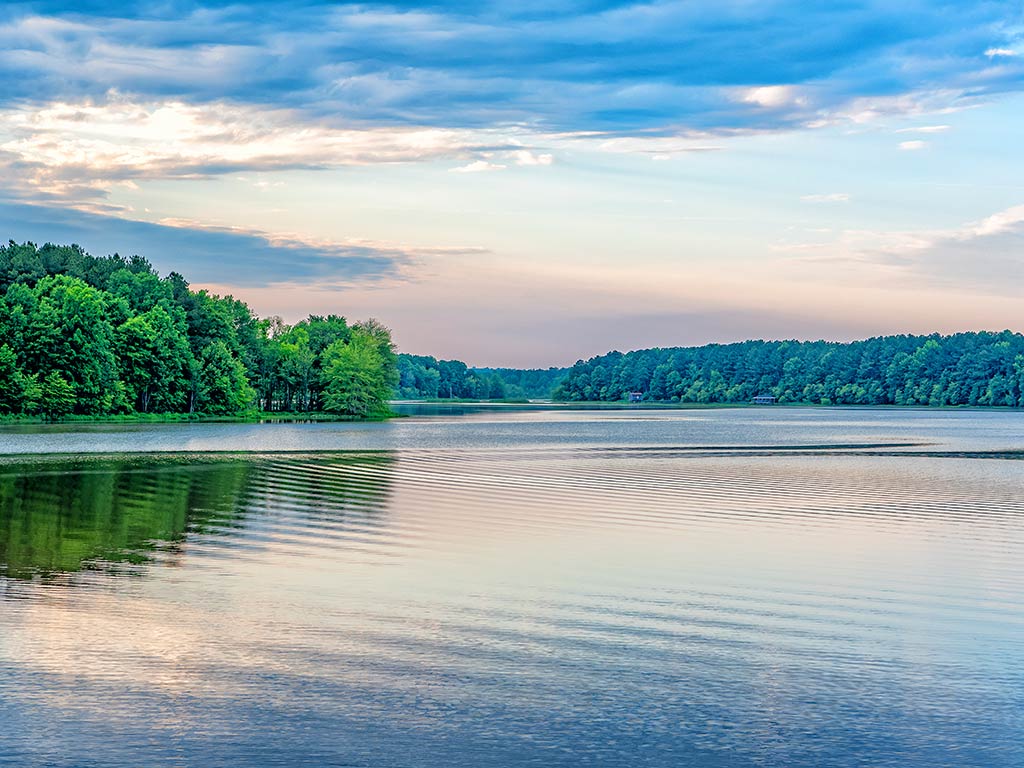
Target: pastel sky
(527, 183)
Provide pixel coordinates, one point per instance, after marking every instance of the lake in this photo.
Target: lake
(517, 587)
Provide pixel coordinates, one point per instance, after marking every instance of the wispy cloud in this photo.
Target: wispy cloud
(983, 254)
(831, 197)
(925, 129)
(479, 166)
(223, 254)
(76, 153)
(913, 146)
(526, 157)
(980, 255)
(659, 147)
(615, 67)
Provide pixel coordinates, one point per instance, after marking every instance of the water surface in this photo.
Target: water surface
(777, 587)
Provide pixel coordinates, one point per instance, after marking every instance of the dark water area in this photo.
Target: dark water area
(514, 587)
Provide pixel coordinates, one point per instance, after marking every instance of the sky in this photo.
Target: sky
(530, 183)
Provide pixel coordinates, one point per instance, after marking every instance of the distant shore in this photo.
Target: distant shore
(668, 405)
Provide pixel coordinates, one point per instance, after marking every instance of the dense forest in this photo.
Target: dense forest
(99, 336)
(963, 369)
(421, 377)
(528, 382)
(107, 335)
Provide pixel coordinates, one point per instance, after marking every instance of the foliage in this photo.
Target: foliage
(964, 369)
(57, 396)
(355, 376)
(423, 377)
(223, 387)
(87, 336)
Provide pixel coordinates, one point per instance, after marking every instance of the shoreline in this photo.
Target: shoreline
(262, 417)
(581, 405)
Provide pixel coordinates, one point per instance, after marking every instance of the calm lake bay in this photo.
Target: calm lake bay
(510, 587)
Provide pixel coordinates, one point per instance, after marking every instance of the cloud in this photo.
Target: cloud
(925, 129)
(913, 146)
(980, 256)
(77, 152)
(658, 147)
(1005, 221)
(618, 68)
(985, 254)
(521, 157)
(832, 197)
(478, 166)
(224, 255)
(526, 157)
(772, 96)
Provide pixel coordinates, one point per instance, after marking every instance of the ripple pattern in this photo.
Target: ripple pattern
(660, 606)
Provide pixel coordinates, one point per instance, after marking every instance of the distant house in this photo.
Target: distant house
(636, 397)
(764, 400)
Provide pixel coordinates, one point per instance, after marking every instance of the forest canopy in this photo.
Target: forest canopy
(98, 336)
(422, 377)
(963, 369)
(107, 335)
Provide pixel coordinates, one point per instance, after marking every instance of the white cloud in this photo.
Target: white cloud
(1003, 221)
(526, 157)
(980, 254)
(868, 109)
(478, 166)
(77, 152)
(913, 146)
(663, 61)
(925, 129)
(772, 96)
(658, 147)
(832, 197)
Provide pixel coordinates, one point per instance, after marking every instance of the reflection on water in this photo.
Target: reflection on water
(735, 605)
(59, 517)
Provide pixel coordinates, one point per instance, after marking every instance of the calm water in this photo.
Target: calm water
(774, 587)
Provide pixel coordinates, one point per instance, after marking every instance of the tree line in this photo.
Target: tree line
(107, 335)
(422, 377)
(983, 368)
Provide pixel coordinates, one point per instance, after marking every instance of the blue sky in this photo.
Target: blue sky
(529, 183)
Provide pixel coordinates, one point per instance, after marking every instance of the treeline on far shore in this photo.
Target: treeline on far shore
(972, 369)
(426, 378)
(101, 336)
(84, 336)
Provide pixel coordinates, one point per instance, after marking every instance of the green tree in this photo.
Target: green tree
(356, 376)
(56, 396)
(156, 360)
(223, 387)
(70, 332)
(12, 382)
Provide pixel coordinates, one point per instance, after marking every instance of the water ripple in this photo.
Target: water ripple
(819, 604)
